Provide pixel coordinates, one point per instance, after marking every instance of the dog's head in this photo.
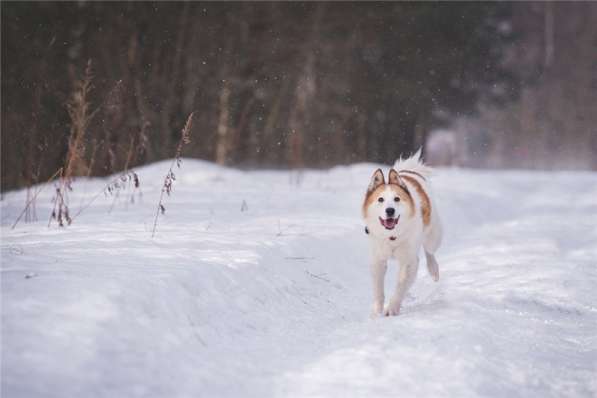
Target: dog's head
(386, 203)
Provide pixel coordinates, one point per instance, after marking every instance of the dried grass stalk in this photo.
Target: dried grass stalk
(185, 139)
(78, 107)
(34, 197)
(80, 114)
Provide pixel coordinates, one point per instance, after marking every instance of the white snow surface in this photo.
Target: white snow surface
(275, 300)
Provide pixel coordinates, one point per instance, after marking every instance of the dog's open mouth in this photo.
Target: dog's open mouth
(389, 223)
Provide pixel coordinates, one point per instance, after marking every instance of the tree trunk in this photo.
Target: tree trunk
(222, 145)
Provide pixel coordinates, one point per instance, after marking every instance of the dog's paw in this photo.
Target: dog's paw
(375, 315)
(392, 309)
(376, 310)
(434, 272)
(432, 266)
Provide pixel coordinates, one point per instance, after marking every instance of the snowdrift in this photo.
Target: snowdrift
(272, 297)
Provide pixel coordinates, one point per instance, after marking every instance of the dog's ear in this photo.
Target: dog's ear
(394, 178)
(376, 180)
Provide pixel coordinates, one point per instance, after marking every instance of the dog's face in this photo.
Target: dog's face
(386, 205)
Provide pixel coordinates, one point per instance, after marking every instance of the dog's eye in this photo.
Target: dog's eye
(380, 200)
(396, 199)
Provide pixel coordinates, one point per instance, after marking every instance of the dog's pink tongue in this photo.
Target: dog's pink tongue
(388, 223)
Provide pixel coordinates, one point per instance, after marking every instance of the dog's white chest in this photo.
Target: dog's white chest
(387, 248)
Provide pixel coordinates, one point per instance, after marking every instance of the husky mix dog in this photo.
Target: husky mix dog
(400, 217)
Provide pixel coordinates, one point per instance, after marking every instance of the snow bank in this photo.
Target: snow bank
(274, 300)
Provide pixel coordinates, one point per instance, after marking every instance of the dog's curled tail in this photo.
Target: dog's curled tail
(413, 163)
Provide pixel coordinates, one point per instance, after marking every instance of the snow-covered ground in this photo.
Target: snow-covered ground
(275, 300)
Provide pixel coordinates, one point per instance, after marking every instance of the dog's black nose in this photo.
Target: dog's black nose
(390, 211)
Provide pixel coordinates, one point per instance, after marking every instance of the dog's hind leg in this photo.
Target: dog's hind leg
(431, 241)
(432, 234)
(432, 266)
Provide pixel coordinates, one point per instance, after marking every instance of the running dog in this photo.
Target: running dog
(400, 217)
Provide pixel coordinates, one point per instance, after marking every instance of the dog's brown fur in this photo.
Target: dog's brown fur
(425, 202)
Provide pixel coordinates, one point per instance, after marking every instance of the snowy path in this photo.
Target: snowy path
(274, 301)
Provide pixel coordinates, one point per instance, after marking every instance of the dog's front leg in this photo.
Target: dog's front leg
(378, 273)
(408, 273)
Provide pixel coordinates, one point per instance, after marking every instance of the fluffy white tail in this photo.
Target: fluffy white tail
(413, 163)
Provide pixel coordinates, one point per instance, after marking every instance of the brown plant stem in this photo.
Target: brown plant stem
(59, 171)
(185, 138)
(160, 206)
(97, 195)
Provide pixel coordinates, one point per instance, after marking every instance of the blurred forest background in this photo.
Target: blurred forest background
(293, 85)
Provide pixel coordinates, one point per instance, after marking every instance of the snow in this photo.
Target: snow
(274, 300)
